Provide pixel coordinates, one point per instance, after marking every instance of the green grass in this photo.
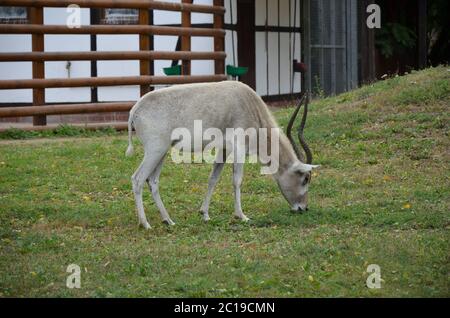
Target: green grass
(380, 197)
(61, 131)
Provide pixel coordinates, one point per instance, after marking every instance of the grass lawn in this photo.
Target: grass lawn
(380, 197)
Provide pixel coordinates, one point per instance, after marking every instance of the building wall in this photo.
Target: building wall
(333, 45)
(23, 70)
(275, 50)
(274, 80)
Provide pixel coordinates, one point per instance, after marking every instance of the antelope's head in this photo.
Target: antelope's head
(294, 181)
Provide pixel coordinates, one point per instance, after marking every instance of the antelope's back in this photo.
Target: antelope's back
(221, 105)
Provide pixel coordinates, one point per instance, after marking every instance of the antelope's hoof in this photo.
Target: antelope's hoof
(243, 218)
(205, 215)
(169, 222)
(146, 226)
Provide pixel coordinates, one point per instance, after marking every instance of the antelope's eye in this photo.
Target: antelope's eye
(306, 180)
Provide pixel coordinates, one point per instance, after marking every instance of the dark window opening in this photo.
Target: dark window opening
(120, 16)
(13, 15)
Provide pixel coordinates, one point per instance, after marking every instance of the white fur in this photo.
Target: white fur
(303, 167)
(223, 105)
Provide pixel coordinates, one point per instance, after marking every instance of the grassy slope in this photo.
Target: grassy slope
(381, 196)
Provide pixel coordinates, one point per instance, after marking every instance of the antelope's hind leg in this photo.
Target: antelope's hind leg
(213, 178)
(147, 167)
(138, 181)
(153, 184)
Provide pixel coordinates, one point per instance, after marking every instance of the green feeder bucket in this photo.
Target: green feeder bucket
(236, 71)
(173, 70)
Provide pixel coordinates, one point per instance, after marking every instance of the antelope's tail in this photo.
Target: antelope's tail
(130, 149)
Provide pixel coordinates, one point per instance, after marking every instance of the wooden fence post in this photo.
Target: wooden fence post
(152, 45)
(186, 39)
(146, 54)
(37, 17)
(144, 45)
(219, 42)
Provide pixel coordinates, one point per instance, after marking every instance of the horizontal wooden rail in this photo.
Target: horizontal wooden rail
(65, 109)
(145, 29)
(126, 4)
(90, 126)
(108, 29)
(99, 55)
(108, 81)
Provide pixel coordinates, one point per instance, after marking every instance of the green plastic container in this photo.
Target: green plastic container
(236, 70)
(173, 70)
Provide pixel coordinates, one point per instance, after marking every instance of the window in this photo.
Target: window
(332, 51)
(13, 15)
(120, 16)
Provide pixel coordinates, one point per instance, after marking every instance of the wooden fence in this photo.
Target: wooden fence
(38, 56)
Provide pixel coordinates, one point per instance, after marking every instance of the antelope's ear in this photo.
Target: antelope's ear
(303, 167)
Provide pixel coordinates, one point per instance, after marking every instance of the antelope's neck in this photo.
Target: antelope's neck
(287, 153)
(286, 156)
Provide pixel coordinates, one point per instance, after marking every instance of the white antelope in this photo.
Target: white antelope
(228, 104)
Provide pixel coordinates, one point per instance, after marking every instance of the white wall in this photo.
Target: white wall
(118, 42)
(165, 43)
(228, 33)
(267, 45)
(202, 43)
(22, 43)
(23, 70)
(15, 70)
(62, 43)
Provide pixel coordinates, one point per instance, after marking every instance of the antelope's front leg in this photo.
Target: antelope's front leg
(238, 173)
